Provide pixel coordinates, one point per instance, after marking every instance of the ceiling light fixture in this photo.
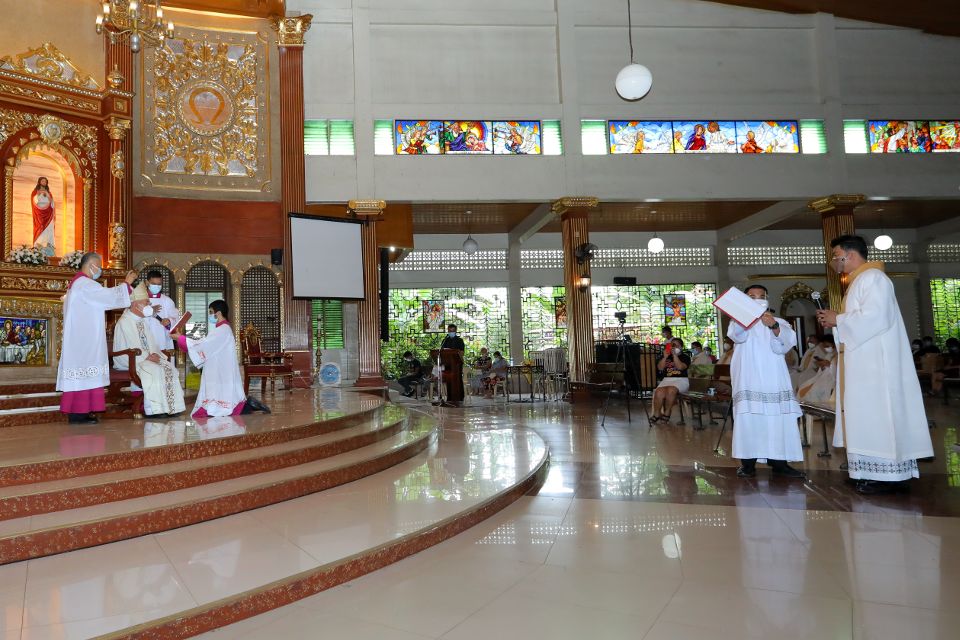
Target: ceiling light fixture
(882, 242)
(634, 80)
(127, 20)
(655, 245)
(470, 246)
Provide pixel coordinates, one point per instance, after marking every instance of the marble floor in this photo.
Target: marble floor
(649, 534)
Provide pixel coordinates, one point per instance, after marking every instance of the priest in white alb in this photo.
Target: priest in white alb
(765, 409)
(808, 365)
(881, 419)
(221, 386)
(165, 310)
(84, 368)
(159, 380)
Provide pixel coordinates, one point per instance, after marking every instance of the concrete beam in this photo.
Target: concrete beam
(762, 219)
(526, 228)
(938, 230)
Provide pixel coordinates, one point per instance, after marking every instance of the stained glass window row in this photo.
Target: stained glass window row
(631, 137)
(452, 260)
(471, 137)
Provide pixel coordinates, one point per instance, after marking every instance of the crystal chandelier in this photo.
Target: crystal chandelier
(140, 24)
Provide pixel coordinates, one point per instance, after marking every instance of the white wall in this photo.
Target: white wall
(370, 59)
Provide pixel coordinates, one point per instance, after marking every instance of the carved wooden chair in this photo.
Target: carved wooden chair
(266, 365)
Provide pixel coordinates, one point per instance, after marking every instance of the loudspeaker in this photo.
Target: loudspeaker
(276, 256)
(625, 280)
(384, 295)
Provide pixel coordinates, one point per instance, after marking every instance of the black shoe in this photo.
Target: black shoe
(876, 487)
(82, 418)
(746, 472)
(787, 471)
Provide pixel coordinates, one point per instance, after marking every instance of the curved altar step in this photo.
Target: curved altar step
(181, 583)
(112, 520)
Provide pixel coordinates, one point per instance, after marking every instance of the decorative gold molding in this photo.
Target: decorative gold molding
(118, 245)
(829, 203)
(49, 63)
(569, 203)
(367, 207)
(117, 127)
(291, 30)
(36, 95)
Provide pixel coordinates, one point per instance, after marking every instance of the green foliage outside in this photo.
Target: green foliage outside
(945, 295)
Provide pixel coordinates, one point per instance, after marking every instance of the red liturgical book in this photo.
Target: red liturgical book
(740, 307)
(178, 328)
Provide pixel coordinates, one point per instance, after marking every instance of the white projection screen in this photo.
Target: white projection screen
(327, 260)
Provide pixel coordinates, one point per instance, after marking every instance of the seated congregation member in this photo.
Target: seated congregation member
(765, 409)
(807, 367)
(699, 355)
(413, 372)
(727, 351)
(710, 356)
(221, 385)
(673, 365)
(164, 310)
(481, 367)
(162, 393)
(497, 373)
(951, 365)
(929, 346)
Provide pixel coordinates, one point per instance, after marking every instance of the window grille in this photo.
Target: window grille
(260, 305)
(813, 139)
(452, 261)
(206, 281)
(169, 282)
(327, 323)
(943, 252)
(945, 295)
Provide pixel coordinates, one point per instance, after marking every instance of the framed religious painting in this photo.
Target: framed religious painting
(516, 137)
(434, 316)
(24, 342)
(675, 309)
(768, 136)
(560, 312)
(418, 137)
(467, 137)
(945, 135)
(639, 136)
(900, 136)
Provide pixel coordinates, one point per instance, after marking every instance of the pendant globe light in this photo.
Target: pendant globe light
(655, 245)
(634, 80)
(470, 246)
(882, 242)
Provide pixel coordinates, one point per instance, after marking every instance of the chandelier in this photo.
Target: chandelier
(127, 19)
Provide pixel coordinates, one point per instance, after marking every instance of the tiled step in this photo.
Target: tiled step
(28, 387)
(30, 416)
(46, 497)
(51, 463)
(50, 533)
(29, 400)
(181, 583)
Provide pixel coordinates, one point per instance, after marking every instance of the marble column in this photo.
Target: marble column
(574, 223)
(293, 193)
(368, 309)
(836, 219)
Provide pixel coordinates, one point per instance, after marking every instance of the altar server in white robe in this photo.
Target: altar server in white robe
(764, 406)
(164, 310)
(84, 368)
(880, 414)
(221, 386)
(162, 393)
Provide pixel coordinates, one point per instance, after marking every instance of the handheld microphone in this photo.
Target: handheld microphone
(816, 298)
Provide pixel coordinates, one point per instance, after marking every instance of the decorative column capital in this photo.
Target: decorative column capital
(571, 203)
(291, 29)
(117, 128)
(837, 201)
(367, 208)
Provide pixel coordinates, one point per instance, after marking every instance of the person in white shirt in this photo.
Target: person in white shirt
(164, 310)
(764, 406)
(881, 419)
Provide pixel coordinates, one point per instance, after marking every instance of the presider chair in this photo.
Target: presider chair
(120, 404)
(266, 365)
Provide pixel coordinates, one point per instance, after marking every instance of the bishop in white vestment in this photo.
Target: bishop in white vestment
(221, 386)
(84, 368)
(162, 393)
(881, 419)
(764, 406)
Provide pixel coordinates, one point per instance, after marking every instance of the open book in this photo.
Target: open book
(740, 307)
(184, 319)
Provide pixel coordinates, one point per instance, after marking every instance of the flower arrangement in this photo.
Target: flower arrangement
(26, 255)
(72, 259)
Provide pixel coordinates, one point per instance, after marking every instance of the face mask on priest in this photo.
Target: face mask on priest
(212, 319)
(155, 288)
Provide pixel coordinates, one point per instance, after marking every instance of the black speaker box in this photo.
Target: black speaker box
(625, 280)
(276, 256)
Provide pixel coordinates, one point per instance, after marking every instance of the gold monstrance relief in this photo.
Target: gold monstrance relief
(205, 102)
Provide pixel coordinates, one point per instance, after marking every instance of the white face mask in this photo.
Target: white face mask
(760, 303)
(828, 350)
(155, 288)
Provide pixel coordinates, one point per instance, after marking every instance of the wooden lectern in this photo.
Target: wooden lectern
(452, 362)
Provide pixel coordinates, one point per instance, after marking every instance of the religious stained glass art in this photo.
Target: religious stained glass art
(433, 316)
(675, 309)
(540, 319)
(900, 136)
(637, 136)
(560, 312)
(467, 137)
(768, 136)
(517, 137)
(23, 342)
(945, 135)
(644, 306)
(705, 136)
(418, 137)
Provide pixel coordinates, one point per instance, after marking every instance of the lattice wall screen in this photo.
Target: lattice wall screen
(260, 304)
(169, 282)
(943, 252)
(805, 254)
(452, 261)
(622, 258)
(206, 281)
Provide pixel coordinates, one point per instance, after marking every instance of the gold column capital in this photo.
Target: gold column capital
(836, 201)
(291, 29)
(570, 203)
(368, 208)
(117, 127)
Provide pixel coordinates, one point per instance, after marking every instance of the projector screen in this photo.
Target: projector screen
(327, 260)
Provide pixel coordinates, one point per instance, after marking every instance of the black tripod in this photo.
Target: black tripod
(620, 364)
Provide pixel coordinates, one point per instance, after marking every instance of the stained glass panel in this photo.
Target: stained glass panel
(538, 307)
(644, 305)
(768, 136)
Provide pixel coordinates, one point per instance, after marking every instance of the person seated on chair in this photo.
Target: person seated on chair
(710, 356)
(929, 346)
(699, 355)
(727, 351)
(497, 373)
(162, 393)
(221, 385)
(414, 373)
(481, 367)
(673, 365)
(951, 365)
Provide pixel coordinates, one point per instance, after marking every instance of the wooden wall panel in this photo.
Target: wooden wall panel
(206, 226)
